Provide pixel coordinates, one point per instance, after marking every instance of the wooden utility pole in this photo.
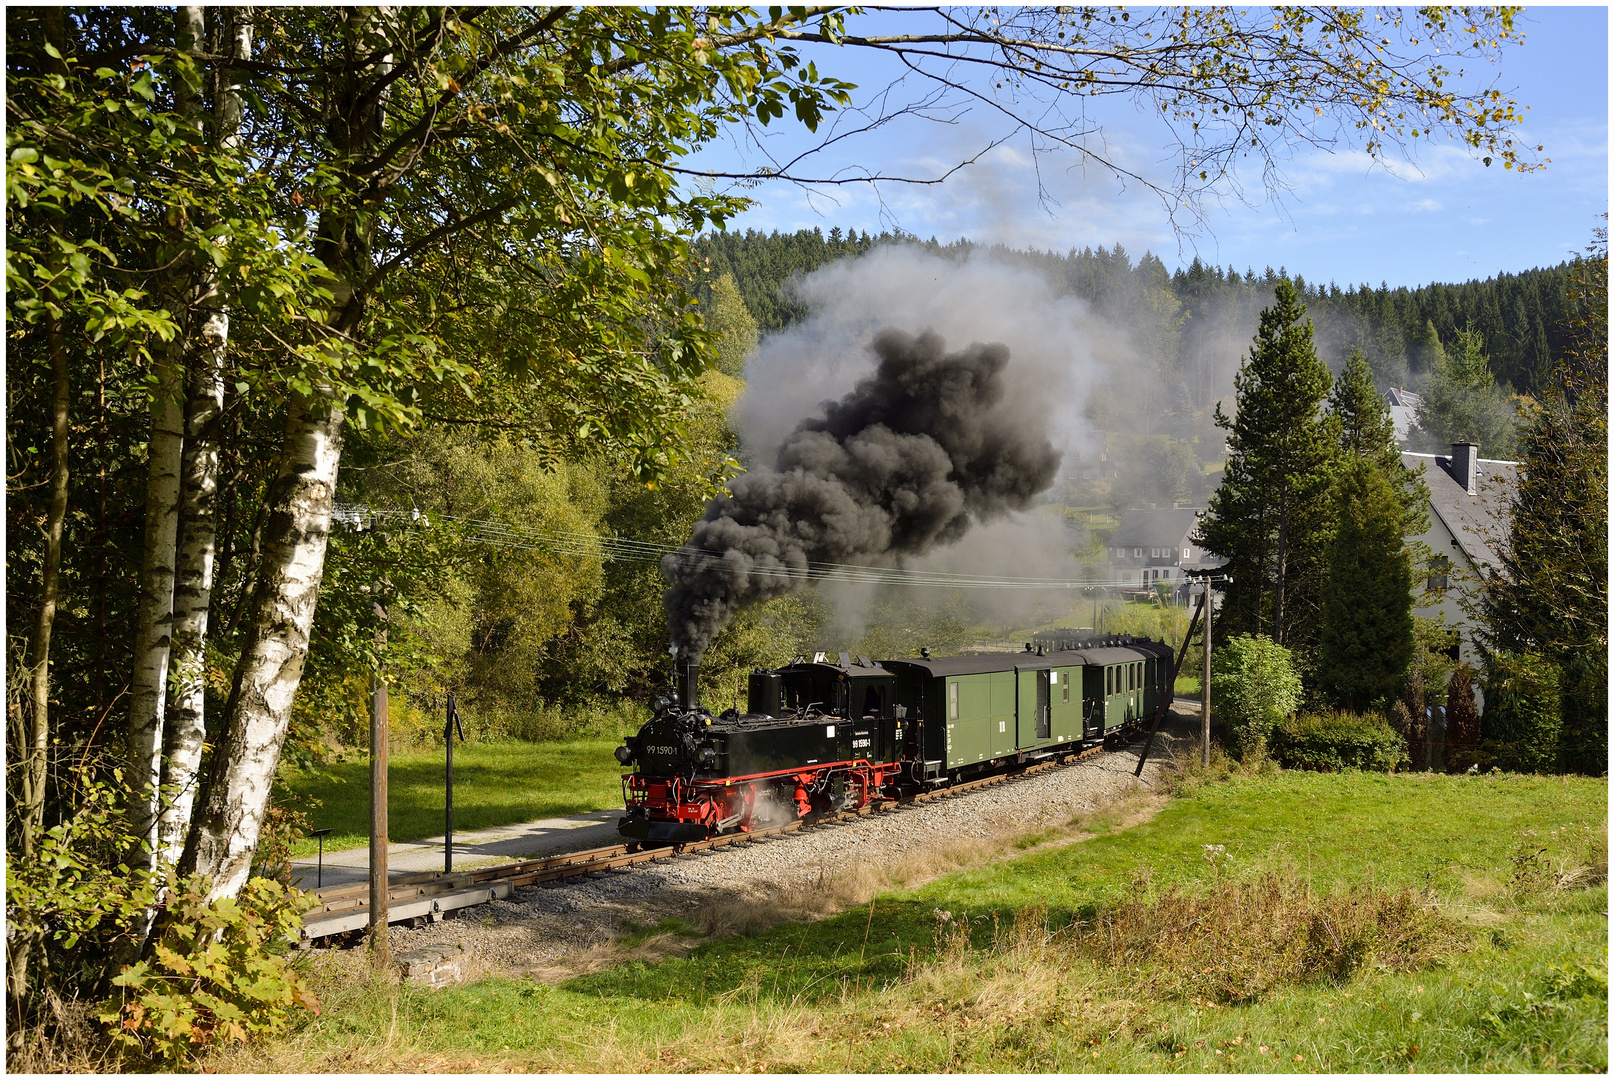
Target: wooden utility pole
(1204, 685)
(380, 947)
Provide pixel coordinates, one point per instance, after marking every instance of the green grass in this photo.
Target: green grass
(494, 784)
(888, 987)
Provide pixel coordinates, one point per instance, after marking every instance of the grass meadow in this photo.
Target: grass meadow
(1268, 922)
(495, 783)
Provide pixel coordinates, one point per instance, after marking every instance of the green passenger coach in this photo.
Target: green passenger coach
(978, 712)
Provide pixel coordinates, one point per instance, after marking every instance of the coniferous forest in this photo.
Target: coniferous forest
(1520, 316)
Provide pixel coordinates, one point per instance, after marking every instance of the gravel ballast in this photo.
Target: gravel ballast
(546, 929)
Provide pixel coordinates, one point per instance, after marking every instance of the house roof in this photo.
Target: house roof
(1154, 528)
(1478, 523)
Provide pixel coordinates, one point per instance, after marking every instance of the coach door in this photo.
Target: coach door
(1033, 716)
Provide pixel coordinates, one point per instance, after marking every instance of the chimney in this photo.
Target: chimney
(689, 669)
(1465, 466)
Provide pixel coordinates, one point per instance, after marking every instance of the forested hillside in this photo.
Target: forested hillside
(1519, 316)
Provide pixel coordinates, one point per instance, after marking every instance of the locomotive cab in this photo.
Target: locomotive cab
(819, 737)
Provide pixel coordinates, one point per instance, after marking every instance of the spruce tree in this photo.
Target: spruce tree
(1551, 596)
(1462, 402)
(1367, 432)
(1270, 519)
(1366, 642)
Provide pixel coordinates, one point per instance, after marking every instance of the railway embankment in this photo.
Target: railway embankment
(581, 923)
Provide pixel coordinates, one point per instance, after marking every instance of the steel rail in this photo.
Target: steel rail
(434, 894)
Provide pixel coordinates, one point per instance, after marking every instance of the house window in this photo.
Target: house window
(1137, 553)
(1186, 553)
(1439, 571)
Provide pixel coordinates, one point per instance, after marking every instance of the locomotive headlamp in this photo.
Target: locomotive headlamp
(623, 755)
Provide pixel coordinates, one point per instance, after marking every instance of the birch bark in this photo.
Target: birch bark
(225, 830)
(209, 327)
(154, 616)
(226, 826)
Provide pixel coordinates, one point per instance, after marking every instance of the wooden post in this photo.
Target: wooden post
(1204, 686)
(380, 947)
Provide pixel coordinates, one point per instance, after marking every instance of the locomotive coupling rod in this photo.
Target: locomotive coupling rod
(1171, 687)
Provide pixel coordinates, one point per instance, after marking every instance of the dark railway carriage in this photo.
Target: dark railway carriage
(820, 736)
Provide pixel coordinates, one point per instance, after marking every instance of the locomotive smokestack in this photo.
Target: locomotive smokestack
(689, 669)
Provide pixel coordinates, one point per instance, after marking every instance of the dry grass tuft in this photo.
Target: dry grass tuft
(69, 1041)
(1241, 940)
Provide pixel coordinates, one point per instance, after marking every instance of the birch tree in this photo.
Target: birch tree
(205, 340)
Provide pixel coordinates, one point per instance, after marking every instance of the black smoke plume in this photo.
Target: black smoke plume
(907, 460)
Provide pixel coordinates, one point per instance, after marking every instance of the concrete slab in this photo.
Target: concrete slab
(483, 847)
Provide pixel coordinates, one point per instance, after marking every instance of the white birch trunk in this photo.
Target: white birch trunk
(193, 586)
(154, 617)
(225, 832)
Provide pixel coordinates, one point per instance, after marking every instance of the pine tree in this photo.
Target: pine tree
(731, 323)
(1366, 643)
(1270, 518)
(1425, 349)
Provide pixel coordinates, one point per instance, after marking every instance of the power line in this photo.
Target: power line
(624, 549)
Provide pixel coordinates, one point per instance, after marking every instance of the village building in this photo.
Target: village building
(1403, 411)
(1153, 546)
(1469, 516)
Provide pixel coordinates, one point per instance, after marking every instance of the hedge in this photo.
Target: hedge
(1337, 741)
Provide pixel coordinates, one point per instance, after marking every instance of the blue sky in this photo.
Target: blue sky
(1443, 217)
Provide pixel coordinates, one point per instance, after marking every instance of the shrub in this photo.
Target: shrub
(1462, 715)
(216, 972)
(1523, 712)
(1253, 686)
(1337, 741)
(76, 911)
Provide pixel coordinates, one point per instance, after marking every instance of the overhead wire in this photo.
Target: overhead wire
(514, 537)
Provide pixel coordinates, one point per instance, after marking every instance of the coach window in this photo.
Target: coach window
(952, 701)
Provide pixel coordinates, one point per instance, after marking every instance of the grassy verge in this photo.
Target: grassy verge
(494, 784)
(1276, 922)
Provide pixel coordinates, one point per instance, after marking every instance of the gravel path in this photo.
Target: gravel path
(567, 927)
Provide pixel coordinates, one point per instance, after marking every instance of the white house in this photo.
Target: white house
(1152, 545)
(1469, 516)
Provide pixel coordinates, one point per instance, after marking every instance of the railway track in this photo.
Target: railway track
(430, 897)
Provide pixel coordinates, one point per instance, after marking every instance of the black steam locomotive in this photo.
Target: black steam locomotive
(821, 736)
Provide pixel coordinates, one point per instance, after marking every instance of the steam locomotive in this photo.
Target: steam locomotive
(820, 736)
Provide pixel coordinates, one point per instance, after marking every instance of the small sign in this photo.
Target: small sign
(829, 731)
